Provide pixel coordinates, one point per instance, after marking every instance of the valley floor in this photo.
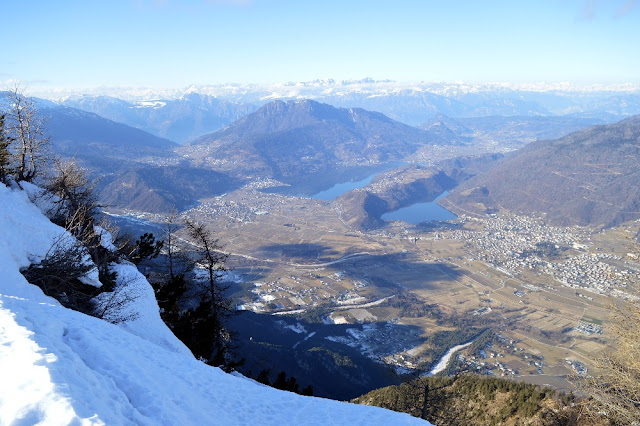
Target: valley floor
(544, 291)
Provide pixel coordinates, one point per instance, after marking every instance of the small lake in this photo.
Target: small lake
(342, 188)
(331, 184)
(357, 181)
(421, 212)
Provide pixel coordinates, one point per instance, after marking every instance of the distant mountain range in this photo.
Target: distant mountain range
(590, 177)
(410, 103)
(179, 120)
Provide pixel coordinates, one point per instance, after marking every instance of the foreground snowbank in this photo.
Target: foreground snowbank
(59, 366)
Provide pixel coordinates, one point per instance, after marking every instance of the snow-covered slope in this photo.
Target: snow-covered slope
(59, 366)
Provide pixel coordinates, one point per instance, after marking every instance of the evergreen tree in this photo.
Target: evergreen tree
(169, 295)
(263, 377)
(146, 247)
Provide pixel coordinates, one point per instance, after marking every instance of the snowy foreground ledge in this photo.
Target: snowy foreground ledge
(58, 366)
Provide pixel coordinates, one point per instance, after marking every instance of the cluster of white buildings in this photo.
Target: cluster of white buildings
(511, 242)
(591, 272)
(515, 243)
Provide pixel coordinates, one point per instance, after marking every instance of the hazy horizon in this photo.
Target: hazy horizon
(164, 44)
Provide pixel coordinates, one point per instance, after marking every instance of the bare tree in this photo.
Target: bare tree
(115, 306)
(71, 184)
(76, 206)
(211, 257)
(175, 261)
(29, 150)
(59, 272)
(5, 153)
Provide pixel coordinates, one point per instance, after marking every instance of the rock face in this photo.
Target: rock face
(363, 207)
(293, 139)
(591, 177)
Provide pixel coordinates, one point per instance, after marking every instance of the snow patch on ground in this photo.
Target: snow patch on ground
(298, 328)
(267, 297)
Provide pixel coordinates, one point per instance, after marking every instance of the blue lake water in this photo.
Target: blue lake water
(342, 188)
(421, 212)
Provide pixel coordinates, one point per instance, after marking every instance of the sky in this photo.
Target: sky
(76, 44)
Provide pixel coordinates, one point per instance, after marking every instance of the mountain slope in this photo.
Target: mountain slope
(78, 133)
(135, 169)
(287, 140)
(62, 367)
(479, 400)
(180, 120)
(161, 189)
(516, 131)
(589, 177)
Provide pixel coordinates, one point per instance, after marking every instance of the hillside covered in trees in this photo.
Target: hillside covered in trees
(476, 400)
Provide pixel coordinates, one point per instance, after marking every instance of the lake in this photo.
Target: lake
(342, 188)
(421, 212)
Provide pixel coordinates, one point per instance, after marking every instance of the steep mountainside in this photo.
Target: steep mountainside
(287, 140)
(179, 120)
(161, 189)
(60, 366)
(589, 177)
(312, 353)
(77, 133)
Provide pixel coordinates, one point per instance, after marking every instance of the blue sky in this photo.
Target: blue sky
(171, 44)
